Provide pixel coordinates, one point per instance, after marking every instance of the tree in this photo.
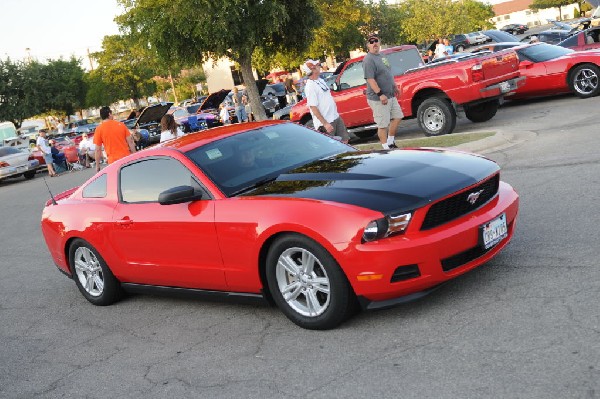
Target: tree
(126, 66)
(386, 20)
(422, 23)
(190, 30)
(61, 85)
(14, 106)
(544, 4)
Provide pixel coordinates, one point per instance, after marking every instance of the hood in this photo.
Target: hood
(213, 100)
(385, 181)
(153, 113)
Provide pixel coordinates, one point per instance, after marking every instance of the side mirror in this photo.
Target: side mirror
(179, 195)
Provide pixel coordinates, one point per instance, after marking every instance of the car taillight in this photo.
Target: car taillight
(477, 72)
(4, 164)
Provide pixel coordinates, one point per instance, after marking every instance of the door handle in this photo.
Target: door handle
(125, 221)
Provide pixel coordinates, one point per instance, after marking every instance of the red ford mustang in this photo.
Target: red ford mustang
(274, 210)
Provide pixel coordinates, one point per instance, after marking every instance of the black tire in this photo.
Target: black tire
(285, 117)
(460, 48)
(88, 267)
(308, 305)
(482, 112)
(29, 175)
(436, 116)
(584, 80)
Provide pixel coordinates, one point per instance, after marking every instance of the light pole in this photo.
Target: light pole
(28, 55)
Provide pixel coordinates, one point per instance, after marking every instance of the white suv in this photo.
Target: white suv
(476, 38)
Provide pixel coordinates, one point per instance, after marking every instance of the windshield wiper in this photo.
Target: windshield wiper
(254, 185)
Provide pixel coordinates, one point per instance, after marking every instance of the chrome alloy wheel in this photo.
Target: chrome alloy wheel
(89, 272)
(303, 282)
(433, 118)
(585, 81)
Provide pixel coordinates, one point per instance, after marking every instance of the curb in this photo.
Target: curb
(498, 142)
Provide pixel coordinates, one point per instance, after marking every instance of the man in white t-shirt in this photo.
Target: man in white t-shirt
(42, 146)
(87, 150)
(323, 109)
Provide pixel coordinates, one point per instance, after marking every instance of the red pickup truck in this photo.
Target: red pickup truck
(432, 93)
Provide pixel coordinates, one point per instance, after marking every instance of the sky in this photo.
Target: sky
(55, 28)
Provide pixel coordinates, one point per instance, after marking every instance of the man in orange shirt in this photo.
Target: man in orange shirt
(114, 136)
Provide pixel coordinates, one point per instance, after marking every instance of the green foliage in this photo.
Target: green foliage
(29, 89)
(427, 19)
(186, 31)
(385, 19)
(543, 4)
(126, 68)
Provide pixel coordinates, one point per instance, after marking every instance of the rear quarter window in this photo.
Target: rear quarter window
(96, 189)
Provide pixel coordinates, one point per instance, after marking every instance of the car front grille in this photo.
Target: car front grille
(458, 205)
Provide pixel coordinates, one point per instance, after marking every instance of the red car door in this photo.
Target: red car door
(171, 245)
(350, 97)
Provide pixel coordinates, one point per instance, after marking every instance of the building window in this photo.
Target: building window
(506, 17)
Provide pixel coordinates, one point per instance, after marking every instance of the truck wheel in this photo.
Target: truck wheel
(584, 80)
(436, 116)
(482, 112)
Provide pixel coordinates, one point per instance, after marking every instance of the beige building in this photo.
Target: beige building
(518, 12)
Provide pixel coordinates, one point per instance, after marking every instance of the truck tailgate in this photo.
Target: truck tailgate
(497, 66)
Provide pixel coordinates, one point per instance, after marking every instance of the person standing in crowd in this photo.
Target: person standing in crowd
(43, 146)
(448, 48)
(224, 114)
(322, 106)
(87, 150)
(169, 128)
(381, 93)
(114, 136)
(60, 127)
(440, 49)
(240, 109)
(248, 108)
(290, 90)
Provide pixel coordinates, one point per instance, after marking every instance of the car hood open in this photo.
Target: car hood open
(153, 113)
(386, 181)
(213, 100)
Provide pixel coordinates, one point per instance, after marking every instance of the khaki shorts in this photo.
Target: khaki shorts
(382, 114)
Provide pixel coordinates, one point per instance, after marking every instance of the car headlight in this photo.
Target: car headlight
(386, 226)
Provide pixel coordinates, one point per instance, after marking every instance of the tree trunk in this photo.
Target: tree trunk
(253, 95)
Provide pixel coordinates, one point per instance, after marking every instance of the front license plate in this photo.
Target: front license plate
(504, 87)
(494, 231)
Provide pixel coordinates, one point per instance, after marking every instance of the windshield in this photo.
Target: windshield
(542, 52)
(241, 161)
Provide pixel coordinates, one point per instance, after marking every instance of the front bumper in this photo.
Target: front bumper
(432, 256)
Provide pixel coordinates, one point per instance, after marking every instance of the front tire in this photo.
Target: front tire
(482, 112)
(436, 116)
(584, 81)
(307, 284)
(92, 275)
(460, 48)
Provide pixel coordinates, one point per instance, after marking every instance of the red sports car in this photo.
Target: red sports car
(276, 211)
(551, 70)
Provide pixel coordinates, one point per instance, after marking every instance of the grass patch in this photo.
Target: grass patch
(448, 140)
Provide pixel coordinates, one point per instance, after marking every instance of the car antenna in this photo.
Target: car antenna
(51, 196)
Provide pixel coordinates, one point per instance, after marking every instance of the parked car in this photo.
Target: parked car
(82, 126)
(431, 93)
(499, 36)
(459, 42)
(149, 119)
(275, 210)
(550, 70)
(551, 36)
(515, 29)
(588, 39)
(475, 38)
(493, 47)
(15, 162)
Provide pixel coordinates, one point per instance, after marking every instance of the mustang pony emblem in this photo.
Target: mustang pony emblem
(473, 197)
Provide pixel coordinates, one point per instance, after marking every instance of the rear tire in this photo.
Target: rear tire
(436, 116)
(307, 284)
(460, 48)
(92, 275)
(29, 175)
(584, 81)
(482, 112)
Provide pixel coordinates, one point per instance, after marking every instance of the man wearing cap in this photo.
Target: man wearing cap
(324, 112)
(381, 93)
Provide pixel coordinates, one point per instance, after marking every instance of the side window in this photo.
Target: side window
(402, 61)
(353, 76)
(143, 181)
(570, 42)
(96, 189)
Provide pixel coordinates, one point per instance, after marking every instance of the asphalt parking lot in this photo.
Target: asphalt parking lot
(525, 325)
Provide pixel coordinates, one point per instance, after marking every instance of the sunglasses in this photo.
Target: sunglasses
(371, 41)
